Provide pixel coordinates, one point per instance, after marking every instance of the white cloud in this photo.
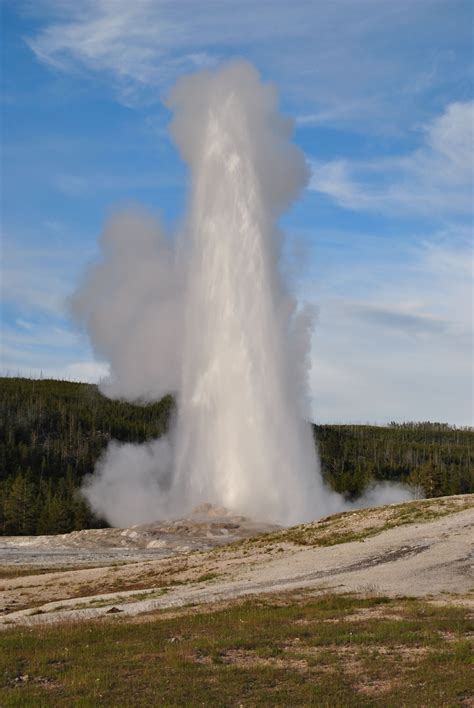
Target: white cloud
(48, 351)
(88, 371)
(452, 136)
(436, 178)
(142, 46)
(132, 42)
(35, 337)
(403, 349)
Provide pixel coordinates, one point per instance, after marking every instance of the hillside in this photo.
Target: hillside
(53, 432)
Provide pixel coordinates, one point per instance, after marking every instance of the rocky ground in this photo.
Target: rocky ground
(420, 548)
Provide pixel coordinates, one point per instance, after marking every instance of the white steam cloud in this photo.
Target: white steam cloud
(131, 305)
(129, 483)
(208, 317)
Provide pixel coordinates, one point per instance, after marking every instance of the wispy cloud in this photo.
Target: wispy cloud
(436, 178)
(144, 45)
(41, 337)
(36, 280)
(23, 324)
(32, 290)
(339, 113)
(87, 184)
(400, 321)
(132, 42)
(47, 350)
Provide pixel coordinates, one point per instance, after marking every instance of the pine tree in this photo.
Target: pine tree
(20, 507)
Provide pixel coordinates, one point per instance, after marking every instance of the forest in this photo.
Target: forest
(53, 432)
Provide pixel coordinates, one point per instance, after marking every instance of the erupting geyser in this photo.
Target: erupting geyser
(211, 320)
(241, 440)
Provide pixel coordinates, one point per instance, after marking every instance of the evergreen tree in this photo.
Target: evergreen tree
(19, 510)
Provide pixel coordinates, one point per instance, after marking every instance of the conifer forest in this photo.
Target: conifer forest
(52, 433)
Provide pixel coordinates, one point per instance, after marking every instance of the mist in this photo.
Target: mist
(205, 314)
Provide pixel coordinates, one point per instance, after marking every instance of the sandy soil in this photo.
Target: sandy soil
(414, 549)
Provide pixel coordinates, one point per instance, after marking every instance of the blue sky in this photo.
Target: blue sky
(381, 241)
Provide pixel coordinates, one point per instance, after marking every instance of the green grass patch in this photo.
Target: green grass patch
(326, 651)
(206, 577)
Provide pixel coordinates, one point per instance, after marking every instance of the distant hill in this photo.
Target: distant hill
(52, 433)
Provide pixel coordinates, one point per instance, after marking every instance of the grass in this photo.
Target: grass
(290, 650)
(118, 600)
(360, 524)
(207, 577)
(146, 594)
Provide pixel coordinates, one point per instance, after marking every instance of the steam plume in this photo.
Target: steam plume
(212, 320)
(131, 305)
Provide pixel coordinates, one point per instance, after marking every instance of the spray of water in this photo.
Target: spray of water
(213, 321)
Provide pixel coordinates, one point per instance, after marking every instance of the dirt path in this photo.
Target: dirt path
(429, 559)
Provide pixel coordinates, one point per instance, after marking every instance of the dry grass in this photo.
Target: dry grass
(361, 524)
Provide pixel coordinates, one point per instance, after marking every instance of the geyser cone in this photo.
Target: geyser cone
(241, 440)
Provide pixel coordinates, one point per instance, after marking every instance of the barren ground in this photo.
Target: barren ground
(420, 548)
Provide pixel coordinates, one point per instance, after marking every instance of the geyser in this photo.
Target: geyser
(241, 440)
(212, 321)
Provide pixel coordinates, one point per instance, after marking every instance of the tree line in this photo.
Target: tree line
(53, 432)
